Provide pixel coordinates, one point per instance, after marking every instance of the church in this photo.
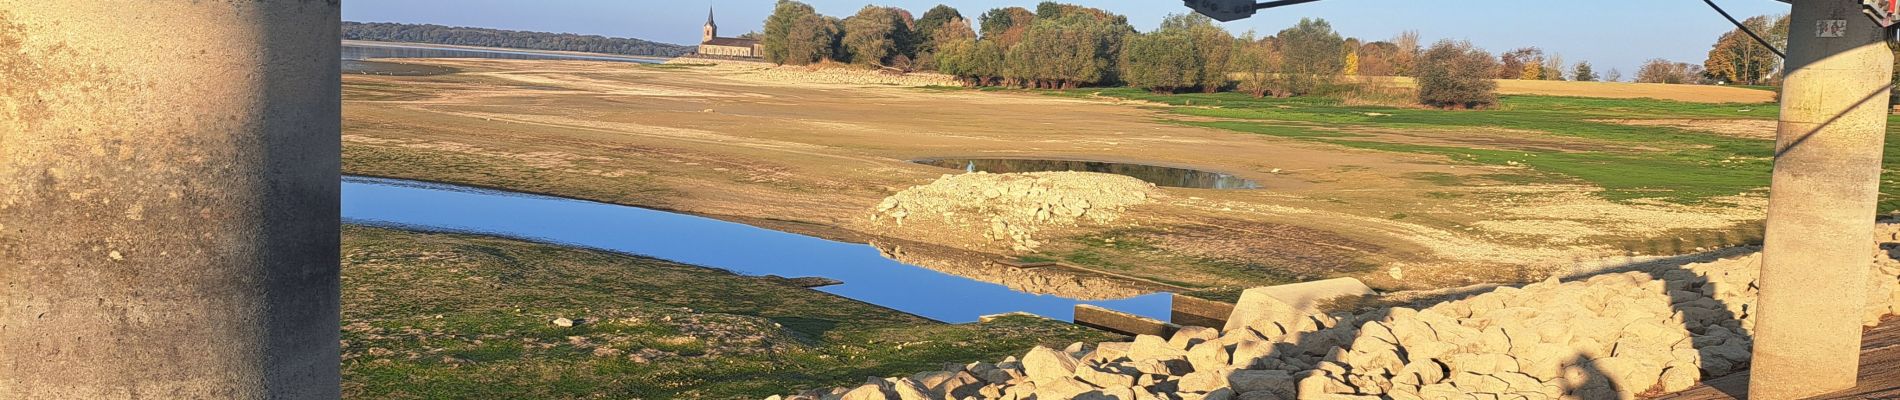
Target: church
(710, 44)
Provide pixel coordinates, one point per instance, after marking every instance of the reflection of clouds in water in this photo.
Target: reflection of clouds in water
(1048, 280)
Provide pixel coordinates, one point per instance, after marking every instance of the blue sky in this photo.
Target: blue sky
(1608, 33)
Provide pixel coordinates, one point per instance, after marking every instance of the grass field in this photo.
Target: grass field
(430, 316)
(1659, 162)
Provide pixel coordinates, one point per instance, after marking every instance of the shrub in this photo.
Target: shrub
(1456, 75)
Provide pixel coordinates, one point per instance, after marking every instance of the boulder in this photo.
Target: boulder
(1043, 365)
(909, 390)
(1151, 347)
(1189, 336)
(1285, 304)
(1280, 383)
(1061, 388)
(868, 391)
(1204, 381)
(1109, 352)
(1208, 356)
(1105, 378)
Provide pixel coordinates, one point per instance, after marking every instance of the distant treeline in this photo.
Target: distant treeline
(465, 36)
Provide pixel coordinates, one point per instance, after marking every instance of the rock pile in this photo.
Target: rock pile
(1609, 336)
(1007, 210)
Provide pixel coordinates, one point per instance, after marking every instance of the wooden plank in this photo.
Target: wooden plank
(1879, 373)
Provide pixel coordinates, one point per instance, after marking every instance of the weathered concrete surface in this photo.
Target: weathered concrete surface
(1120, 322)
(1285, 303)
(1821, 203)
(168, 199)
(1195, 311)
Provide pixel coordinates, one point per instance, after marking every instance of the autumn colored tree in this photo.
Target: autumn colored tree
(1664, 71)
(1738, 58)
(1259, 63)
(1405, 59)
(1379, 59)
(1553, 69)
(1456, 75)
(1523, 63)
(1349, 57)
(1006, 25)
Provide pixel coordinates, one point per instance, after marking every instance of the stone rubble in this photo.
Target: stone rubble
(1609, 336)
(1007, 210)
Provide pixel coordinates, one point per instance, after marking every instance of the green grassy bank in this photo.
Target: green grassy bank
(430, 315)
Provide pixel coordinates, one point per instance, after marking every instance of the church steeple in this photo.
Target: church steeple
(711, 30)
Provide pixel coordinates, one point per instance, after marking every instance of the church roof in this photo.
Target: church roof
(709, 15)
(734, 42)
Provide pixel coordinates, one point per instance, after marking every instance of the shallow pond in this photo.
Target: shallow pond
(740, 248)
(1158, 175)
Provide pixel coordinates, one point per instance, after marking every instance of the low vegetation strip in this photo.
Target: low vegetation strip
(1638, 162)
(429, 315)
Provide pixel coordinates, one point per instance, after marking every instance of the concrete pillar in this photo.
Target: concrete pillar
(168, 199)
(1821, 203)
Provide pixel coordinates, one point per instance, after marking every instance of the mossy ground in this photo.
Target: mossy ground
(432, 315)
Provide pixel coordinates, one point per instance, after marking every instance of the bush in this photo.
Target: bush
(1456, 75)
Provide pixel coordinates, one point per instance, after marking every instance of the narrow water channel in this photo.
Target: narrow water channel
(740, 248)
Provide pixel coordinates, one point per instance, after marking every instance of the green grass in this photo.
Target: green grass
(431, 316)
(1628, 162)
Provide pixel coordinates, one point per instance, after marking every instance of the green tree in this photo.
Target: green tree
(1161, 61)
(1311, 53)
(933, 20)
(1456, 75)
(875, 36)
(1583, 72)
(1077, 49)
(779, 42)
(1213, 47)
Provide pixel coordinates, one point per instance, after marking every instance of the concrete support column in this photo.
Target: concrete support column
(168, 199)
(1821, 204)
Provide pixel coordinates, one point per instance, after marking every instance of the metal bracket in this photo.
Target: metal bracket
(1884, 12)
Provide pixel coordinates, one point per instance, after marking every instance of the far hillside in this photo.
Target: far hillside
(467, 36)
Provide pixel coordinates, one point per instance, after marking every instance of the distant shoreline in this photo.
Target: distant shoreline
(416, 45)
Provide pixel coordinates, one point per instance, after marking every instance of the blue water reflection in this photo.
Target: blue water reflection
(740, 248)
